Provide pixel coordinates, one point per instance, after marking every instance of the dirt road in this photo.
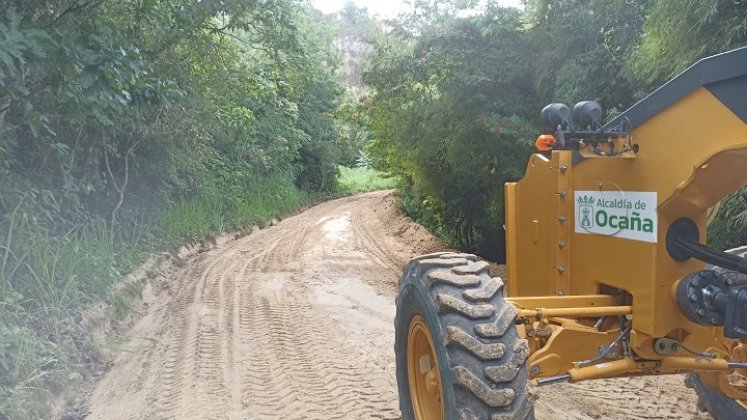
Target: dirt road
(295, 322)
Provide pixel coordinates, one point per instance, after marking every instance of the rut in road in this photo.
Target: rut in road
(291, 322)
(296, 322)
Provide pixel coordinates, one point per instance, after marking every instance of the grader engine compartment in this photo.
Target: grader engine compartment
(608, 273)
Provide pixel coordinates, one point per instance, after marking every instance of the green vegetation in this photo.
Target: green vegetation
(680, 33)
(355, 180)
(215, 211)
(457, 93)
(127, 126)
(46, 279)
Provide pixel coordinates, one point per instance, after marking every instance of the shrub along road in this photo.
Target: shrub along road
(296, 322)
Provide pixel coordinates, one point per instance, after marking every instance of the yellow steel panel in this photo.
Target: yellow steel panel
(533, 228)
(563, 210)
(563, 301)
(674, 145)
(512, 244)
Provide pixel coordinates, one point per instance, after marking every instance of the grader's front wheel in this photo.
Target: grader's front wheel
(458, 353)
(423, 374)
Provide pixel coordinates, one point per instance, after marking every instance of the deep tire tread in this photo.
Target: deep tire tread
(448, 302)
(485, 357)
(500, 325)
(486, 292)
(492, 397)
(718, 405)
(457, 336)
(479, 267)
(452, 279)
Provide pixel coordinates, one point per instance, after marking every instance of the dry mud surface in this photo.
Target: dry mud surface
(296, 322)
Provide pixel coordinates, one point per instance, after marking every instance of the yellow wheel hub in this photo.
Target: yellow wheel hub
(424, 377)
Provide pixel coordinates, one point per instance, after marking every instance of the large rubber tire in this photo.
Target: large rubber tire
(718, 405)
(481, 359)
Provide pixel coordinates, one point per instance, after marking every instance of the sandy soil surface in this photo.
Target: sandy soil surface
(296, 322)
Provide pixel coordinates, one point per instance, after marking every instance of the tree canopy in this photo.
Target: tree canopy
(457, 90)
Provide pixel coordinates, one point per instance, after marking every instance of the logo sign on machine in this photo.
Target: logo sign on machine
(622, 214)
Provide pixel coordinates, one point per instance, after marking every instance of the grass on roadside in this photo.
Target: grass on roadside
(356, 180)
(46, 280)
(212, 211)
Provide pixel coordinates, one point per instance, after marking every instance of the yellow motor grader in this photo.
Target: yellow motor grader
(608, 273)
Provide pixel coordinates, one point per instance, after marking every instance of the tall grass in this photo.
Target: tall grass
(215, 211)
(192, 218)
(47, 279)
(264, 201)
(356, 180)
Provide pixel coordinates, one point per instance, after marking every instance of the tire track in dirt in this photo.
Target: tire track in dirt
(261, 329)
(295, 322)
(191, 345)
